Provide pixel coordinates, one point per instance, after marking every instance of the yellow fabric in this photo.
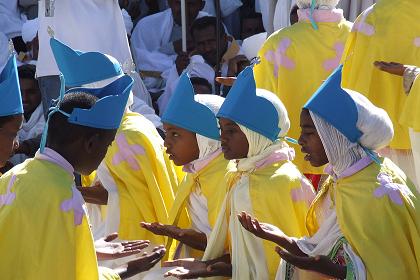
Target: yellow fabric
(270, 191)
(145, 177)
(87, 181)
(308, 51)
(410, 116)
(212, 182)
(382, 233)
(396, 26)
(108, 274)
(38, 239)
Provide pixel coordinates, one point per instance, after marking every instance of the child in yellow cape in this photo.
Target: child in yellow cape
(136, 179)
(39, 197)
(387, 31)
(296, 59)
(264, 181)
(193, 141)
(365, 221)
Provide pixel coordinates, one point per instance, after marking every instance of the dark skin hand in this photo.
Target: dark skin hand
(95, 194)
(292, 254)
(237, 64)
(319, 264)
(191, 268)
(107, 250)
(144, 263)
(189, 237)
(391, 67)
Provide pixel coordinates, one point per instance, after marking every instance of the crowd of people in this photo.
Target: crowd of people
(278, 140)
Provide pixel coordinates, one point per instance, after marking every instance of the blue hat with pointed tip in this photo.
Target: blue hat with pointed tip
(81, 68)
(245, 107)
(183, 111)
(332, 103)
(108, 109)
(11, 99)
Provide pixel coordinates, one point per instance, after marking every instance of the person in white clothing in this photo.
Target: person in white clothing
(156, 41)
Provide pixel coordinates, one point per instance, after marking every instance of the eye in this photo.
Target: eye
(175, 134)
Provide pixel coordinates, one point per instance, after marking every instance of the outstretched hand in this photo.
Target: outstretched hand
(320, 264)
(191, 269)
(144, 263)
(190, 237)
(262, 230)
(390, 67)
(107, 250)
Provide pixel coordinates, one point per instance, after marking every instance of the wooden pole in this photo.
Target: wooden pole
(218, 54)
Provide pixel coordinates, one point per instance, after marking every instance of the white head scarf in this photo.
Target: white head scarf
(375, 125)
(320, 4)
(208, 146)
(260, 146)
(30, 29)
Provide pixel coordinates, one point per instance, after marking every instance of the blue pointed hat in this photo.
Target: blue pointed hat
(108, 109)
(81, 68)
(243, 106)
(332, 103)
(105, 114)
(11, 99)
(183, 111)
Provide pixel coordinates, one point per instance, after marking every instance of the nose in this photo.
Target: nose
(301, 140)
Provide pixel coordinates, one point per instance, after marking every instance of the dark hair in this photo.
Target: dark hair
(27, 71)
(294, 10)
(60, 131)
(6, 119)
(201, 82)
(204, 22)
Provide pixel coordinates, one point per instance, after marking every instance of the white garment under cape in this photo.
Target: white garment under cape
(148, 36)
(87, 25)
(322, 243)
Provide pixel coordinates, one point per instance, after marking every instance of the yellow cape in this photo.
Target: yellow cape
(410, 116)
(278, 197)
(381, 223)
(144, 175)
(212, 182)
(388, 31)
(39, 240)
(301, 55)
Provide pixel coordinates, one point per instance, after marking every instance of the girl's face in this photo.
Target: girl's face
(234, 142)
(310, 142)
(8, 138)
(181, 144)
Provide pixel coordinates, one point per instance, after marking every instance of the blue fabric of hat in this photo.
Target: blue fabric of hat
(81, 68)
(183, 111)
(335, 106)
(243, 106)
(11, 99)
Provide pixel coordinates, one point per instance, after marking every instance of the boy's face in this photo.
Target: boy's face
(206, 45)
(181, 144)
(8, 138)
(192, 9)
(310, 142)
(95, 149)
(31, 95)
(234, 142)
